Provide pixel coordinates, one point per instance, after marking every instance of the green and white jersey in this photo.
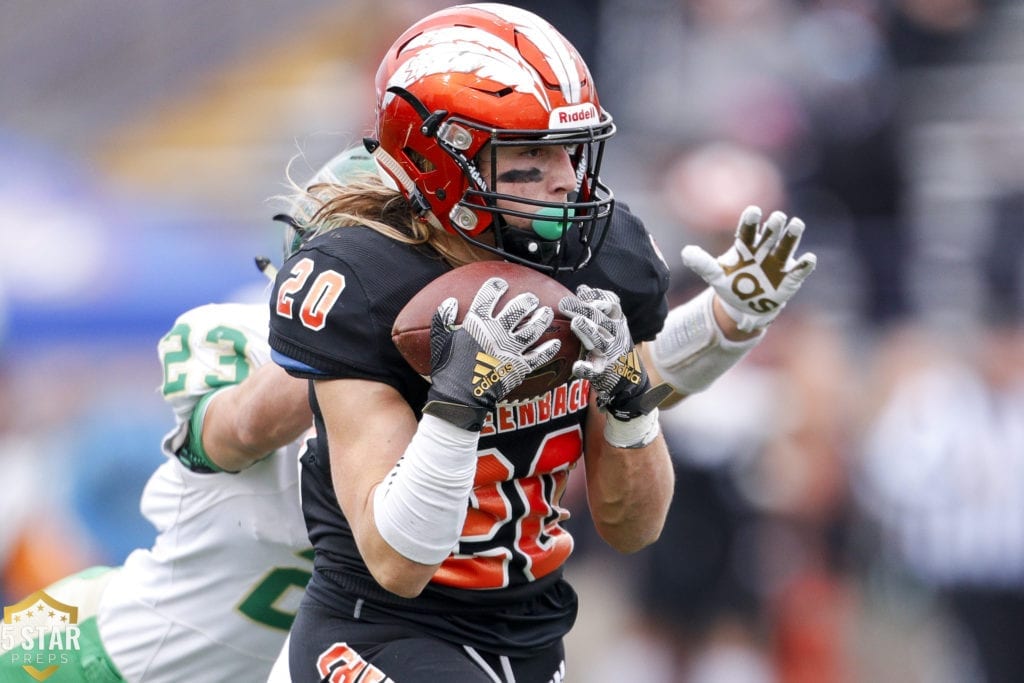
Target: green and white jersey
(214, 597)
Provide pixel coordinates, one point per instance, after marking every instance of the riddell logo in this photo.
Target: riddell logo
(574, 116)
(38, 635)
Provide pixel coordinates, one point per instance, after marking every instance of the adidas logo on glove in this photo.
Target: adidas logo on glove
(488, 372)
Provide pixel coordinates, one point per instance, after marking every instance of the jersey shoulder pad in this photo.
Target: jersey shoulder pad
(631, 265)
(334, 302)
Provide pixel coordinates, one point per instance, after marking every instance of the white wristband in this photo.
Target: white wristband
(690, 352)
(635, 433)
(420, 507)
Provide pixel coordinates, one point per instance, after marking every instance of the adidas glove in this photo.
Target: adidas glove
(612, 364)
(757, 275)
(478, 364)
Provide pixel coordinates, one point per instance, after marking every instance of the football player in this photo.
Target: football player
(214, 597)
(435, 506)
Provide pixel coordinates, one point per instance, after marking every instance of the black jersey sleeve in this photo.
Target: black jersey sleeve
(333, 304)
(630, 264)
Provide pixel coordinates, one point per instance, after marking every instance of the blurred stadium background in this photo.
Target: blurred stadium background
(851, 499)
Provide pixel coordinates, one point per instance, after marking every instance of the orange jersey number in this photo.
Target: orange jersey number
(535, 536)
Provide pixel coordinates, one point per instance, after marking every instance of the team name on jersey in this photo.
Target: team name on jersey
(569, 398)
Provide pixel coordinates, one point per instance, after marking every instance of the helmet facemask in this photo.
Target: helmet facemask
(564, 235)
(474, 79)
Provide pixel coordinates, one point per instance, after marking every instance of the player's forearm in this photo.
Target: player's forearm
(698, 343)
(392, 570)
(420, 508)
(265, 412)
(369, 428)
(629, 492)
(726, 327)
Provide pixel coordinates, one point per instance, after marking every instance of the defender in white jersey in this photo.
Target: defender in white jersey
(213, 598)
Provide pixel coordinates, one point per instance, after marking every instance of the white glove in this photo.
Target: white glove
(757, 275)
(612, 364)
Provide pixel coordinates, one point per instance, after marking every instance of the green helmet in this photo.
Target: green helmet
(343, 168)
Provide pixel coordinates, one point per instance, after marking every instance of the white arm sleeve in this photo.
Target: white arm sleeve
(420, 507)
(691, 352)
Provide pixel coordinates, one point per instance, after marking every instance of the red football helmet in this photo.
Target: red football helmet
(473, 75)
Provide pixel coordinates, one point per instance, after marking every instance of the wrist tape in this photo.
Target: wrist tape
(421, 505)
(635, 433)
(691, 352)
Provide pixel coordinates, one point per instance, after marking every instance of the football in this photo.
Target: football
(411, 330)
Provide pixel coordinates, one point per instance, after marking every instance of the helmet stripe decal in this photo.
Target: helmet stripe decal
(471, 51)
(554, 49)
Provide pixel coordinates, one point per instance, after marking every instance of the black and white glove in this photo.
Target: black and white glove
(475, 366)
(612, 364)
(757, 275)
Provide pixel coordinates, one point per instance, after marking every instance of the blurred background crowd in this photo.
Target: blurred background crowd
(850, 499)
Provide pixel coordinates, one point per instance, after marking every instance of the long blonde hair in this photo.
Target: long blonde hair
(365, 200)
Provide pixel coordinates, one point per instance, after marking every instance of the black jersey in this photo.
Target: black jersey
(332, 310)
